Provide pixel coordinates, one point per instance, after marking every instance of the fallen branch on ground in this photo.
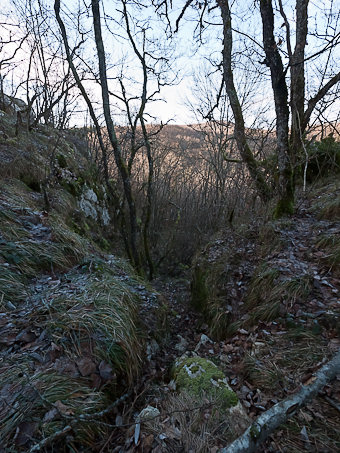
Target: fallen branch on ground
(74, 421)
(266, 423)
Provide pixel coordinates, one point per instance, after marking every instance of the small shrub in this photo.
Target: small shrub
(324, 158)
(62, 162)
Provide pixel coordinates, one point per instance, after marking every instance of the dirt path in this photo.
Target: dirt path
(267, 361)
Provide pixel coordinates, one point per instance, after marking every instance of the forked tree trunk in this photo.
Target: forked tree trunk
(297, 83)
(131, 245)
(239, 131)
(273, 60)
(121, 165)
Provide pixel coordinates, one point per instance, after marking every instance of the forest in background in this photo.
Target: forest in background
(233, 217)
(282, 82)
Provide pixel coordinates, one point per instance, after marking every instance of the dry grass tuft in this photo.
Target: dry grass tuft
(330, 244)
(326, 201)
(31, 243)
(269, 238)
(196, 424)
(270, 295)
(47, 399)
(91, 319)
(104, 309)
(13, 286)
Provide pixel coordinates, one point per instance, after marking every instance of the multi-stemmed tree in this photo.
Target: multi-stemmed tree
(288, 62)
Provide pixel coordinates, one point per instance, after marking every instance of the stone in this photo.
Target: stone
(94, 208)
(182, 345)
(88, 209)
(198, 376)
(148, 413)
(105, 216)
(12, 105)
(151, 349)
(203, 341)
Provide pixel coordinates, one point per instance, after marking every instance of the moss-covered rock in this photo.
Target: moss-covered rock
(198, 376)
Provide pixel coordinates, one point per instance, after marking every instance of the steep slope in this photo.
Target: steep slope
(86, 346)
(268, 294)
(71, 337)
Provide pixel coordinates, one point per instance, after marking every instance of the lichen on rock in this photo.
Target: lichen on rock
(93, 207)
(199, 376)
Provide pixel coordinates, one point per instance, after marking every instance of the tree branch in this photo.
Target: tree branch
(270, 420)
(319, 95)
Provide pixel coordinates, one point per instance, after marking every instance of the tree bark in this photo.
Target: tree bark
(239, 131)
(121, 165)
(315, 99)
(266, 423)
(297, 81)
(273, 60)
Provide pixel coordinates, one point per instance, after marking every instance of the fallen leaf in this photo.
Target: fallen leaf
(24, 433)
(50, 415)
(96, 381)
(63, 409)
(86, 366)
(105, 371)
(305, 416)
(310, 380)
(7, 338)
(119, 420)
(147, 443)
(304, 434)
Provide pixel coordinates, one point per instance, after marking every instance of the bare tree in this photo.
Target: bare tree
(128, 144)
(287, 65)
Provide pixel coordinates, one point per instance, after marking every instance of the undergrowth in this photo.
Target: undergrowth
(270, 295)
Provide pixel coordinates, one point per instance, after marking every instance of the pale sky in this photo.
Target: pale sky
(187, 59)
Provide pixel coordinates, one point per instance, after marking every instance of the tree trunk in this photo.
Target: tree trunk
(273, 60)
(121, 165)
(297, 80)
(86, 99)
(239, 131)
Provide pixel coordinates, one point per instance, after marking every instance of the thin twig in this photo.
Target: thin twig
(49, 440)
(333, 403)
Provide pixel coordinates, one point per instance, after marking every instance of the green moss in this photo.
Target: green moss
(12, 141)
(255, 431)
(104, 244)
(285, 204)
(72, 187)
(98, 190)
(199, 290)
(62, 162)
(198, 376)
(89, 175)
(284, 207)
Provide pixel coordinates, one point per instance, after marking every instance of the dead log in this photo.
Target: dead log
(266, 423)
